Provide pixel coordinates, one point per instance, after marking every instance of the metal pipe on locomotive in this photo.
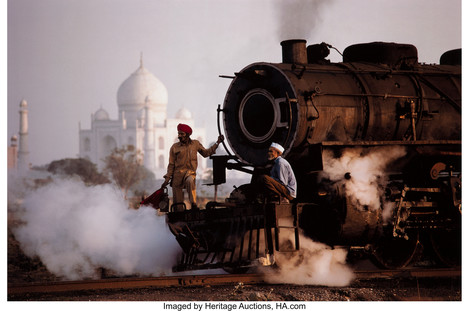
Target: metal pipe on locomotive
(378, 96)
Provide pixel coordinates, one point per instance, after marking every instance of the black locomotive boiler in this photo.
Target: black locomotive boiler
(378, 97)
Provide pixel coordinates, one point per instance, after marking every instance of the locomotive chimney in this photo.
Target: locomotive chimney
(294, 51)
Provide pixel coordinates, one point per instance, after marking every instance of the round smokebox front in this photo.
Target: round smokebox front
(258, 111)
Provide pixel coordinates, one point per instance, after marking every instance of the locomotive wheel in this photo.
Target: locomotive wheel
(394, 253)
(447, 247)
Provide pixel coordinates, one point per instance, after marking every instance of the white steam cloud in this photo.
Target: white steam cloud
(314, 264)
(75, 229)
(368, 171)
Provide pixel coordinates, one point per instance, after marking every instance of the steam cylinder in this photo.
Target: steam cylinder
(366, 98)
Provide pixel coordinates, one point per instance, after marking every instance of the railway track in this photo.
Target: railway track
(203, 280)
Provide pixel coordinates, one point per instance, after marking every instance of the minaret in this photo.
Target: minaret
(23, 152)
(13, 153)
(148, 145)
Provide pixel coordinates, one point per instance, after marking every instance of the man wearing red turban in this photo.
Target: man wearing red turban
(183, 164)
(184, 128)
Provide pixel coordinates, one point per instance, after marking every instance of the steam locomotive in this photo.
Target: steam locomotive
(378, 98)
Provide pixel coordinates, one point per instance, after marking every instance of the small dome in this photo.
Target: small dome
(101, 114)
(184, 114)
(142, 85)
(23, 104)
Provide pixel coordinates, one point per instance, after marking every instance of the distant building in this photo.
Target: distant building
(142, 100)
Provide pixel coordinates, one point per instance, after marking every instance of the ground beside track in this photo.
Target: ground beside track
(441, 289)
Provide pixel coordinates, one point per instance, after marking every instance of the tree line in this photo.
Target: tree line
(123, 167)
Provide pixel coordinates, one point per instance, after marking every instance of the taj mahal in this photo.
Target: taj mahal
(142, 101)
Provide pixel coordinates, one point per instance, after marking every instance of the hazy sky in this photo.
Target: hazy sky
(67, 58)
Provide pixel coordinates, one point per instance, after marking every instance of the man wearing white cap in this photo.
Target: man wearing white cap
(282, 180)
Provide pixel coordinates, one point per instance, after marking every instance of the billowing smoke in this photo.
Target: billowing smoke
(298, 18)
(366, 171)
(314, 264)
(75, 229)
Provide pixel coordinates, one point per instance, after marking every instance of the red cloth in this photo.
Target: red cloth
(184, 128)
(154, 199)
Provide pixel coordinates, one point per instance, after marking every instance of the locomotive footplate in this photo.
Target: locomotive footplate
(234, 238)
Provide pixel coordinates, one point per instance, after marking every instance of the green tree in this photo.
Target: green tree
(124, 167)
(81, 167)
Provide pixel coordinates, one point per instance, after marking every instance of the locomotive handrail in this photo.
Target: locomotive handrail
(219, 133)
(174, 207)
(437, 71)
(376, 95)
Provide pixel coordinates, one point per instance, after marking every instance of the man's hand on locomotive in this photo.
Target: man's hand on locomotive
(220, 139)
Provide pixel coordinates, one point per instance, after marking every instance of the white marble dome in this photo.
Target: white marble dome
(183, 114)
(142, 85)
